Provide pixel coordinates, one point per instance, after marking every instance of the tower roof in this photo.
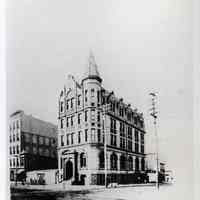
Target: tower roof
(92, 69)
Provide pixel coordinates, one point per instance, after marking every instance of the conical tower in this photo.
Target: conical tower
(92, 69)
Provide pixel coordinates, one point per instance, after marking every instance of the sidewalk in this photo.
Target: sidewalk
(62, 187)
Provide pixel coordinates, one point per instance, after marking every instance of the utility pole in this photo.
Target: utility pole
(154, 115)
(106, 108)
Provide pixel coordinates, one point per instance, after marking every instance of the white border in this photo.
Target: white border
(3, 141)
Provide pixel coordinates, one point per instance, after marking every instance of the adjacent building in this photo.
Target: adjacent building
(92, 122)
(32, 145)
(151, 166)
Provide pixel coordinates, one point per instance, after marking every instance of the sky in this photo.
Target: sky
(139, 46)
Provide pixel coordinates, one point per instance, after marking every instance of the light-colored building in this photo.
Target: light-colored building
(82, 123)
(151, 167)
(32, 145)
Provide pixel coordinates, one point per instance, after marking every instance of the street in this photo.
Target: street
(123, 193)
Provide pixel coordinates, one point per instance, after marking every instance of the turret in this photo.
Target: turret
(92, 70)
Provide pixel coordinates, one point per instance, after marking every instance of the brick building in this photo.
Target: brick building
(82, 124)
(32, 145)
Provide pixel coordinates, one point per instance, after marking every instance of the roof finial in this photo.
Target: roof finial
(91, 60)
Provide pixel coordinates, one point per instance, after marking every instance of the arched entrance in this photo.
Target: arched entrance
(68, 170)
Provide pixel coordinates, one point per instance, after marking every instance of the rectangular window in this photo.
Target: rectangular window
(92, 114)
(22, 161)
(10, 150)
(17, 124)
(85, 95)
(17, 136)
(79, 118)
(93, 139)
(72, 138)
(34, 150)
(136, 147)
(113, 126)
(142, 148)
(27, 137)
(47, 141)
(86, 116)
(113, 107)
(122, 143)
(98, 117)
(136, 136)
(40, 151)
(61, 106)
(135, 120)
(67, 139)
(68, 104)
(130, 132)
(61, 123)
(79, 137)
(122, 129)
(142, 124)
(130, 145)
(113, 140)
(67, 122)
(72, 120)
(92, 92)
(99, 135)
(98, 96)
(142, 138)
(86, 135)
(62, 140)
(72, 102)
(79, 100)
(34, 139)
(17, 149)
(13, 150)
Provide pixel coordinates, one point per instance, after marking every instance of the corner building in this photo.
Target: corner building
(82, 126)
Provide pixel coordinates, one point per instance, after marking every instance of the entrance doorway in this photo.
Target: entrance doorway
(68, 170)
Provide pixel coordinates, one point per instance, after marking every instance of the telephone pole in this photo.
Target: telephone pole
(155, 116)
(106, 108)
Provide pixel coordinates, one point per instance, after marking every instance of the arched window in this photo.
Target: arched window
(82, 160)
(122, 162)
(137, 164)
(101, 159)
(130, 163)
(113, 161)
(143, 164)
